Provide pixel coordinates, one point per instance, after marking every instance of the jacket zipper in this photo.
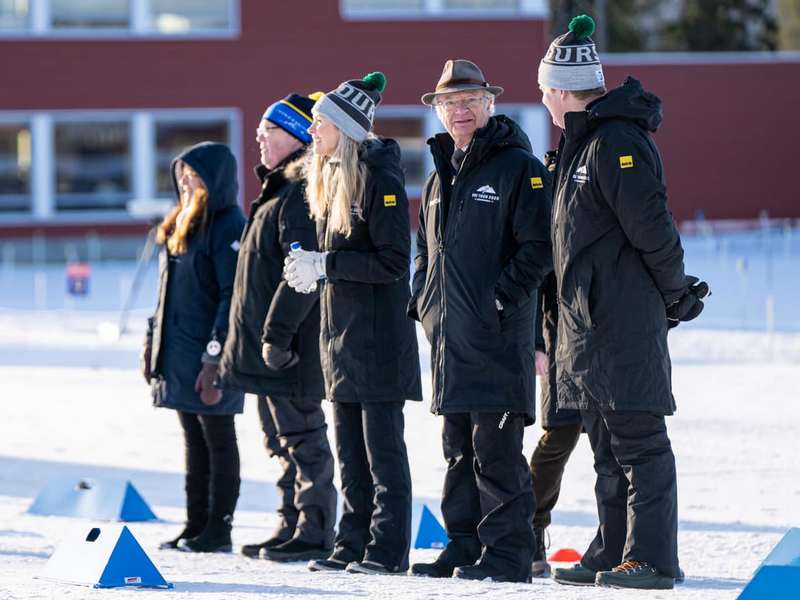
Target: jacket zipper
(442, 277)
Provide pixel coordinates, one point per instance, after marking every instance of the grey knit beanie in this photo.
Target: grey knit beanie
(571, 62)
(351, 106)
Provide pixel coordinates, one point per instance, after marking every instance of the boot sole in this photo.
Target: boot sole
(359, 570)
(320, 568)
(220, 550)
(575, 583)
(666, 586)
(297, 556)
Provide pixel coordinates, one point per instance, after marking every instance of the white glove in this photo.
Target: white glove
(302, 269)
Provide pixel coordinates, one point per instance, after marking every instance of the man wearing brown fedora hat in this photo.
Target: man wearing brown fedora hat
(483, 249)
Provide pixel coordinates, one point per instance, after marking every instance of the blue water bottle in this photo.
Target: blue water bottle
(296, 246)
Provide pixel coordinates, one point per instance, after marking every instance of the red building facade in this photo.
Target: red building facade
(91, 115)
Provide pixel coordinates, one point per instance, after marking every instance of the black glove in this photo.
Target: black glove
(278, 358)
(551, 160)
(690, 305)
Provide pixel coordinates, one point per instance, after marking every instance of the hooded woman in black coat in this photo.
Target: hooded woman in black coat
(368, 346)
(197, 263)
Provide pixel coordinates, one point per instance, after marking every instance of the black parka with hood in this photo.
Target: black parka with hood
(493, 243)
(264, 307)
(368, 346)
(195, 288)
(617, 257)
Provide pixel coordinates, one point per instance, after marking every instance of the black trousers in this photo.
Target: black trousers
(488, 501)
(547, 468)
(636, 491)
(295, 431)
(212, 468)
(376, 484)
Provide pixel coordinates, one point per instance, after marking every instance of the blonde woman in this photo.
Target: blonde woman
(368, 346)
(200, 239)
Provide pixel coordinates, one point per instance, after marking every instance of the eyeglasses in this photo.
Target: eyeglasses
(470, 103)
(265, 129)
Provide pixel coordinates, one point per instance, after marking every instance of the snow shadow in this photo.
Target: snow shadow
(25, 554)
(65, 357)
(210, 587)
(26, 477)
(574, 518)
(713, 583)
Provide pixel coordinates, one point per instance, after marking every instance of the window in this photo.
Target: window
(93, 165)
(409, 132)
(417, 9)
(15, 168)
(185, 16)
(173, 137)
(88, 14)
(13, 14)
(483, 4)
(109, 19)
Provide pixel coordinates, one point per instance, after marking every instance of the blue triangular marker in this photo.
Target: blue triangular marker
(129, 565)
(102, 557)
(99, 499)
(778, 577)
(430, 534)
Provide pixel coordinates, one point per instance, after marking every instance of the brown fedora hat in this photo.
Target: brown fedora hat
(459, 75)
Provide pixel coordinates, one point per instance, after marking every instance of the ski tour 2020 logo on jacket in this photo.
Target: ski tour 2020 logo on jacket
(368, 346)
(617, 257)
(195, 288)
(484, 237)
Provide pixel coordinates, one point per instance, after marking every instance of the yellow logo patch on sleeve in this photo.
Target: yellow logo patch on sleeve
(626, 162)
(536, 183)
(390, 200)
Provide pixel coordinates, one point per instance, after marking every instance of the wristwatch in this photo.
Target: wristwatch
(213, 348)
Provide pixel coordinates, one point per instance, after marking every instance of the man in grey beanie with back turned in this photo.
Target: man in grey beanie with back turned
(621, 284)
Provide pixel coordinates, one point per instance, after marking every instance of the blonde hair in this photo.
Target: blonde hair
(175, 233)
(335, 183)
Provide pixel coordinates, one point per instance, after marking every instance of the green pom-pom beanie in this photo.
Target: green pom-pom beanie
(582, 26)
(376, 80)
(351, 106)
(572, 62)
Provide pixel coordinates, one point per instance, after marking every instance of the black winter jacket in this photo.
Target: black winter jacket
(195, 288)
(368, 345)
(493, 244)
(617, 256)
(546, 327)
(264, 307)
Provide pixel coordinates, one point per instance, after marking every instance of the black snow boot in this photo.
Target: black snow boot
(369, 567)
(636, 575)
(256, 550)
(189, 531)
(487, 573)
(327, 564)
(540, 568)
(294, 550)
(461, 553)
(577, 574)
(216, 537)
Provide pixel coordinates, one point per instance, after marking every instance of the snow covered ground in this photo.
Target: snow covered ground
(75, 405)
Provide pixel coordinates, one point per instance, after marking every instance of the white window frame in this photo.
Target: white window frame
(24, 119)
(142, 156)
(438, 9)
(39, 25)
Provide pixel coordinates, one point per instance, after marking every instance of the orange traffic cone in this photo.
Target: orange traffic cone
(565, 555)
